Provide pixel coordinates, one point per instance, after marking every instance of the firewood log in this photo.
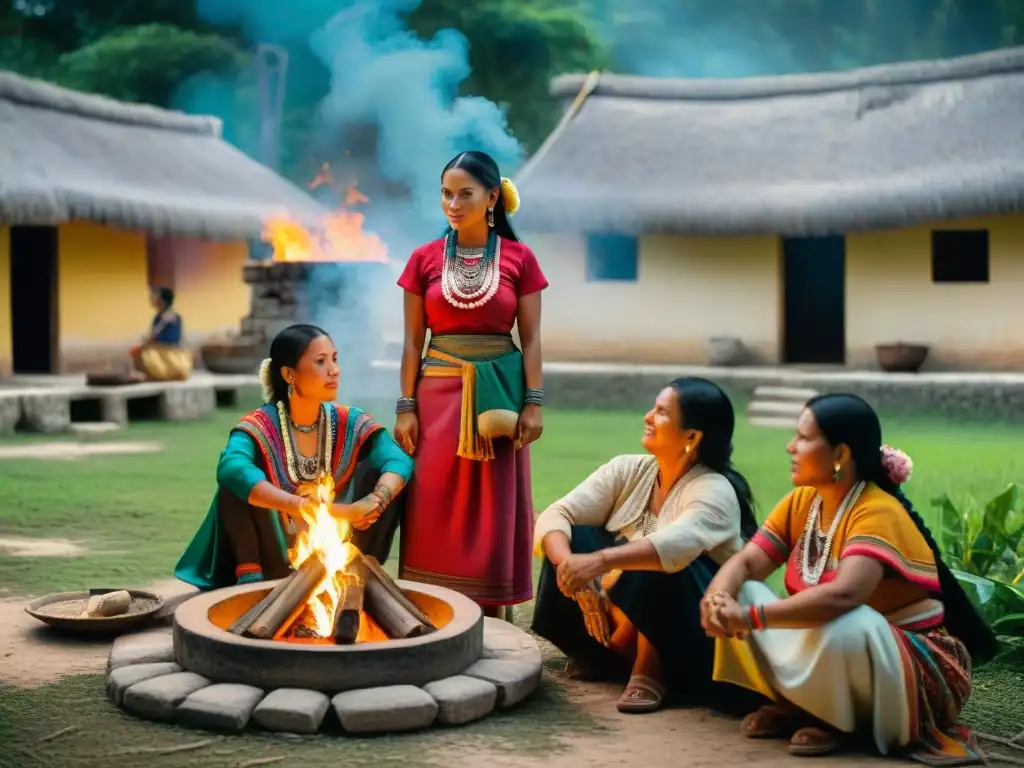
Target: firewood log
(350, 609)
(377, 571)
(390, 614)
(287, 606)
(245, 621)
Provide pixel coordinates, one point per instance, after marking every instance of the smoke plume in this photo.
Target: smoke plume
(381, 75)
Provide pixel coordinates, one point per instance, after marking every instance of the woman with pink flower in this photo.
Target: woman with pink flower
(876, 635)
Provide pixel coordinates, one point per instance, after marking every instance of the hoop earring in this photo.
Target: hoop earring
(291, 391)
(490, 217)
(836, 469)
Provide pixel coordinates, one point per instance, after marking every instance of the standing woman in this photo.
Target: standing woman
(472, 404)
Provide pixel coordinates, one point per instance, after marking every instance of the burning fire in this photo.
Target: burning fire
(338, 236)
(328, 538)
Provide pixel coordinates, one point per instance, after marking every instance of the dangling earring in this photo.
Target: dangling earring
(490, 217)
(291, 391)
(835, 471)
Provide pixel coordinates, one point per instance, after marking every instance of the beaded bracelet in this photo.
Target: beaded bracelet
(534, 397)
(383, 493)
(755, 617)
(405, 405)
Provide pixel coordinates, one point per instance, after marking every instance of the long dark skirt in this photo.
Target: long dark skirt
(252, 538)
(663, 607)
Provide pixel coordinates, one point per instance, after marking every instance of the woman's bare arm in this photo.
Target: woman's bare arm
(856, 581)
(749, 564)
(412, 348)
(528, 319)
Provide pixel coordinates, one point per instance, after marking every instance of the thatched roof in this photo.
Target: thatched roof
(66, 155)
(882, 147)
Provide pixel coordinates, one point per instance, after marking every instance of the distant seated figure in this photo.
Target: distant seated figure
(273, 460)
(160, 356)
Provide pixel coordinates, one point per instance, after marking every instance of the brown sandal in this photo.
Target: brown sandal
(642, 695)
(813, 742)
(769, 722)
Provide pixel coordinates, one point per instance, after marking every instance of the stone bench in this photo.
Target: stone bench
(10, 410)
(53, 409)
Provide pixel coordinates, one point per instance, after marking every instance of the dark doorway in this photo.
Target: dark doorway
(34, 299)
(814, 299)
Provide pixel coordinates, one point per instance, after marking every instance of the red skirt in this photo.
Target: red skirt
(468, 524)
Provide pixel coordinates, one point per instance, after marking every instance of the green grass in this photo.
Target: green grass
(135, 513)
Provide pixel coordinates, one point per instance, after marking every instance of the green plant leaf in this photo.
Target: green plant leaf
(951, 527)
(1010, 624)
(979, 589)
(995, 516)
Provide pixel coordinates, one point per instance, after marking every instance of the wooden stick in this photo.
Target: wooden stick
(378, 572)
(390, 614)
(289, 604)
(242, 624)
(350, 609)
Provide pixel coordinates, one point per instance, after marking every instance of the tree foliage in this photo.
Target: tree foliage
(146, 63)
(149, 52)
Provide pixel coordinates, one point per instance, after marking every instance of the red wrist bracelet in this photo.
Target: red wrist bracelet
(757, 620)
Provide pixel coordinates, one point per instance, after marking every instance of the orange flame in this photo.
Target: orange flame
(327, 537)
(338, 236)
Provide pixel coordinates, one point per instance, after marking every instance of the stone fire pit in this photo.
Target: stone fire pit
(201, 675)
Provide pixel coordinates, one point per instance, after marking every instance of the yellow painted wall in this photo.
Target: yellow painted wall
(690, 289)
(6, 339)
(682, 298)
(210, 295)
(890, 296)
(102, 291)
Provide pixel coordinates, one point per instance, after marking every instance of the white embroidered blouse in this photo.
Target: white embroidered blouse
(701, 513)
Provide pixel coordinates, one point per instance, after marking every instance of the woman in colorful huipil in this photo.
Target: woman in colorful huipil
(274, 458)
(876, 636)
(472, 404)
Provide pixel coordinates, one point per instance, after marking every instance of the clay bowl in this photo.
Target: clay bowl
(62, 610)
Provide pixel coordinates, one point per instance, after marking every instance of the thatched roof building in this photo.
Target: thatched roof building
(876, 148)
(68, 156)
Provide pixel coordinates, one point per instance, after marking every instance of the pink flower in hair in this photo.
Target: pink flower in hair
(897, 464)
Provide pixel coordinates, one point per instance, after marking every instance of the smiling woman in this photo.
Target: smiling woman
(274, 458)
(629, 552)
(876, 635)
(472, 405)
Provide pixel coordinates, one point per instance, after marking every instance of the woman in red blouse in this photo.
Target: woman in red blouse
(471, 404)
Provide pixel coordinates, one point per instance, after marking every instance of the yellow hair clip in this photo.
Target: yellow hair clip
(511, 195)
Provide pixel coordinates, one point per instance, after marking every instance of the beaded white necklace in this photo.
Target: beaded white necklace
(811, 575)
(467, 286)
(306, 468)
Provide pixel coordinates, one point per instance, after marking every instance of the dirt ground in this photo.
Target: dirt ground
(31, 656)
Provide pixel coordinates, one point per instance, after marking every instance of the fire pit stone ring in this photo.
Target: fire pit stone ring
(201, 675)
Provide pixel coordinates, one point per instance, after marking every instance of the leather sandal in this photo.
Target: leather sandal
(813, 742)
(642, 695)
(769, 722)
